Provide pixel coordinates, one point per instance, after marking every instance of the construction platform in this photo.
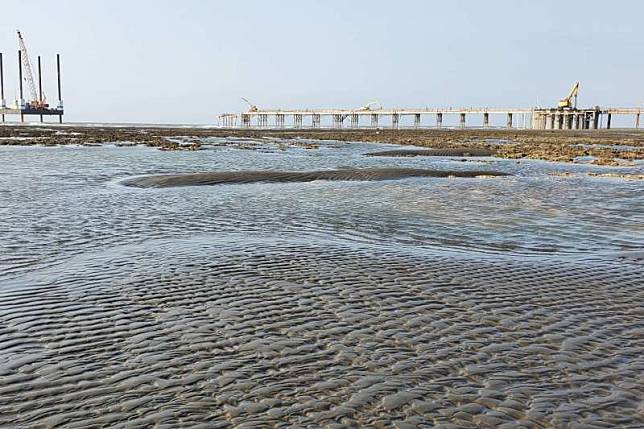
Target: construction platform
(37, 104)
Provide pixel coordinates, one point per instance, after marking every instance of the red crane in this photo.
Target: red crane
(36, 102)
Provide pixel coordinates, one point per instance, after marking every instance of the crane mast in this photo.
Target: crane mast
(29, 76)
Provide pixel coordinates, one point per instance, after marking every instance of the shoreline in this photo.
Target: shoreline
(617, 147)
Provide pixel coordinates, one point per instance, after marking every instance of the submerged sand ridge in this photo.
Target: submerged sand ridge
(457, 151)
(348, 174)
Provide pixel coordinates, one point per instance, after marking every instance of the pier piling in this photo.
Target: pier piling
(60, 94)
(40, 85)
(2, 101)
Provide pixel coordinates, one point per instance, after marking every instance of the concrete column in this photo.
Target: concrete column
(486, 120)
(279, 120)
(374, 120)
(566, 121)
(509, 120)
(417, 120)
(245, 120)
(637, 120)
(395, 118)
(355, 121)
(439, 120)
(610, 116)
(552, 122)
(596, 120)
(462, 120)
(315, 120)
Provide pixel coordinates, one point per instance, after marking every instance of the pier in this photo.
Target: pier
(522, 118)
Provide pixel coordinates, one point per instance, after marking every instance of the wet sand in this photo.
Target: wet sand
(348, 174)
(312, 295)
(457, 151)
(287, 335)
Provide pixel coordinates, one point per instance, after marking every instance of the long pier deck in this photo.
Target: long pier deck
(533, 118)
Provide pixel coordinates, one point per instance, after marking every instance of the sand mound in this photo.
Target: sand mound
(236, 177)
(457, 151)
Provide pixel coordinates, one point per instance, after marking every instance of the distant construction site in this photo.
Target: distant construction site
(37, 103)
(565, 116)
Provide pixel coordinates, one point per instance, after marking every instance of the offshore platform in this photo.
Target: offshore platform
(36, 104)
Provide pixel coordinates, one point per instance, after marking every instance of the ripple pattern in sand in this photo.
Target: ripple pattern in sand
(200, 333)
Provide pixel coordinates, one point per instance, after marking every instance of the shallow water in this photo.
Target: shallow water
(421, 301)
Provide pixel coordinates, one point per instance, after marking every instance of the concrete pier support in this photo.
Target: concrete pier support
(245, 119)
(3, 103)
(509, 124)
(565, 123)
(417, 120)
(297, 121)
(439, 120)
(355, 120)
(486, 120)
(395, 119)
(315, 120)
(462, 121)
(596, 120)
(608, 121)
(338, 121)
(279, 120)
(374, 120)
(637, 120)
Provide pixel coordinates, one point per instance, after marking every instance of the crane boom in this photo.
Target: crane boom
(28, 76)
(566, 102)
(251, 106)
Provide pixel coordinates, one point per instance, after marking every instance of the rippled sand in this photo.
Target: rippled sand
(348, 174)
(421, 302)
(309, 336)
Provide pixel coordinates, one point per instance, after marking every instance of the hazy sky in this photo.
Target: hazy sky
(187, 61)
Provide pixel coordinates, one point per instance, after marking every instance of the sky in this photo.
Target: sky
(188, 61)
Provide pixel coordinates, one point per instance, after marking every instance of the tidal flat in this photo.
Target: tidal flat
(478, 289)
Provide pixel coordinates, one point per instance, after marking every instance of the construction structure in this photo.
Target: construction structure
(37, 102)
(564, 117)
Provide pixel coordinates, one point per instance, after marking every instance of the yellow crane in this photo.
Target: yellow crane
(567, 102)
